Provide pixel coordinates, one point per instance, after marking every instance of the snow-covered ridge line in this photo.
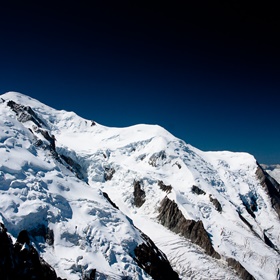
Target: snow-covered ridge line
(70, 162)
(42, 189)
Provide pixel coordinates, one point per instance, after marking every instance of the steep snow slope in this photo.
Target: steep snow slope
(144, 169)
(39, 194)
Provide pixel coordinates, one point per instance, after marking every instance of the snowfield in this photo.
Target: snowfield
(60, 184)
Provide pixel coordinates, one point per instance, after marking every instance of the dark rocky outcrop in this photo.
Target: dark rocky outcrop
(21, 261)
(48, 137)
(197, 190)
(178, 164)
(216, 203)
(153, 261)
(251, 205)
(139, 194)
(271, 187)
(44, 232)
(171, 217)
(73, 166)
(38, 143)
(240, 270)
(91, 275)
(165, 188)
(25, 113)
(109, 200)
(245, 222)
(109, 172)
(270, 243)
(49, 145)
(156, 158)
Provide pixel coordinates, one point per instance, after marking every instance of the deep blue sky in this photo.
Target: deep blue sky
(207, 72)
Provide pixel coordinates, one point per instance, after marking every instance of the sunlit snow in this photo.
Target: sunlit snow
(90, 233)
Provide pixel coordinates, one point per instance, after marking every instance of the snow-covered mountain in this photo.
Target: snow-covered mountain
(100, 202)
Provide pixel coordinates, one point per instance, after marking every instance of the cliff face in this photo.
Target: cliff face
(241, 271)
(171, 217)
(271, 186)
(153, 261)
(21, 261)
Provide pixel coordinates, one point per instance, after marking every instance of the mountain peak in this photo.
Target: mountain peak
(16, 96)
(134, 202)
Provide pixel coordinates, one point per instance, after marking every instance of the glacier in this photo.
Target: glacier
(106, 194)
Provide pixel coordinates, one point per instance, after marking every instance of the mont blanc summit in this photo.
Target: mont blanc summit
(80, 200)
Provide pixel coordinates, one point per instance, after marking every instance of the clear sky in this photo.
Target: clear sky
(208, 72)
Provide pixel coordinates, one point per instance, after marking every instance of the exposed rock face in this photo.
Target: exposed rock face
(269, 242)
(109, 172)
(157, 158)
(44, 232)
(171, 217)
(250, 206)
(21, 261)
(74, 166)
(108, 198)
(25, 113)
(216, 203)
(178, 164)
(197, 190)
(153, 261)
(49, 145)
(241, 271)
(165, 188)
(246, 222)
(273, 170)
(272, 188)
(139, 194)
(48, 137)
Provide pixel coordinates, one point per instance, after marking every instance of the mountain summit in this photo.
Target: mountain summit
(79, 200)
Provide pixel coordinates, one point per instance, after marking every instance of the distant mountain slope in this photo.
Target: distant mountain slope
(85, 185)
(273, 170)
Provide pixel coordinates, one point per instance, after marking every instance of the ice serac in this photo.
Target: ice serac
(101, 202)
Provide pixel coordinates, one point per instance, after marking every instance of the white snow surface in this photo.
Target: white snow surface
(89, 232)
